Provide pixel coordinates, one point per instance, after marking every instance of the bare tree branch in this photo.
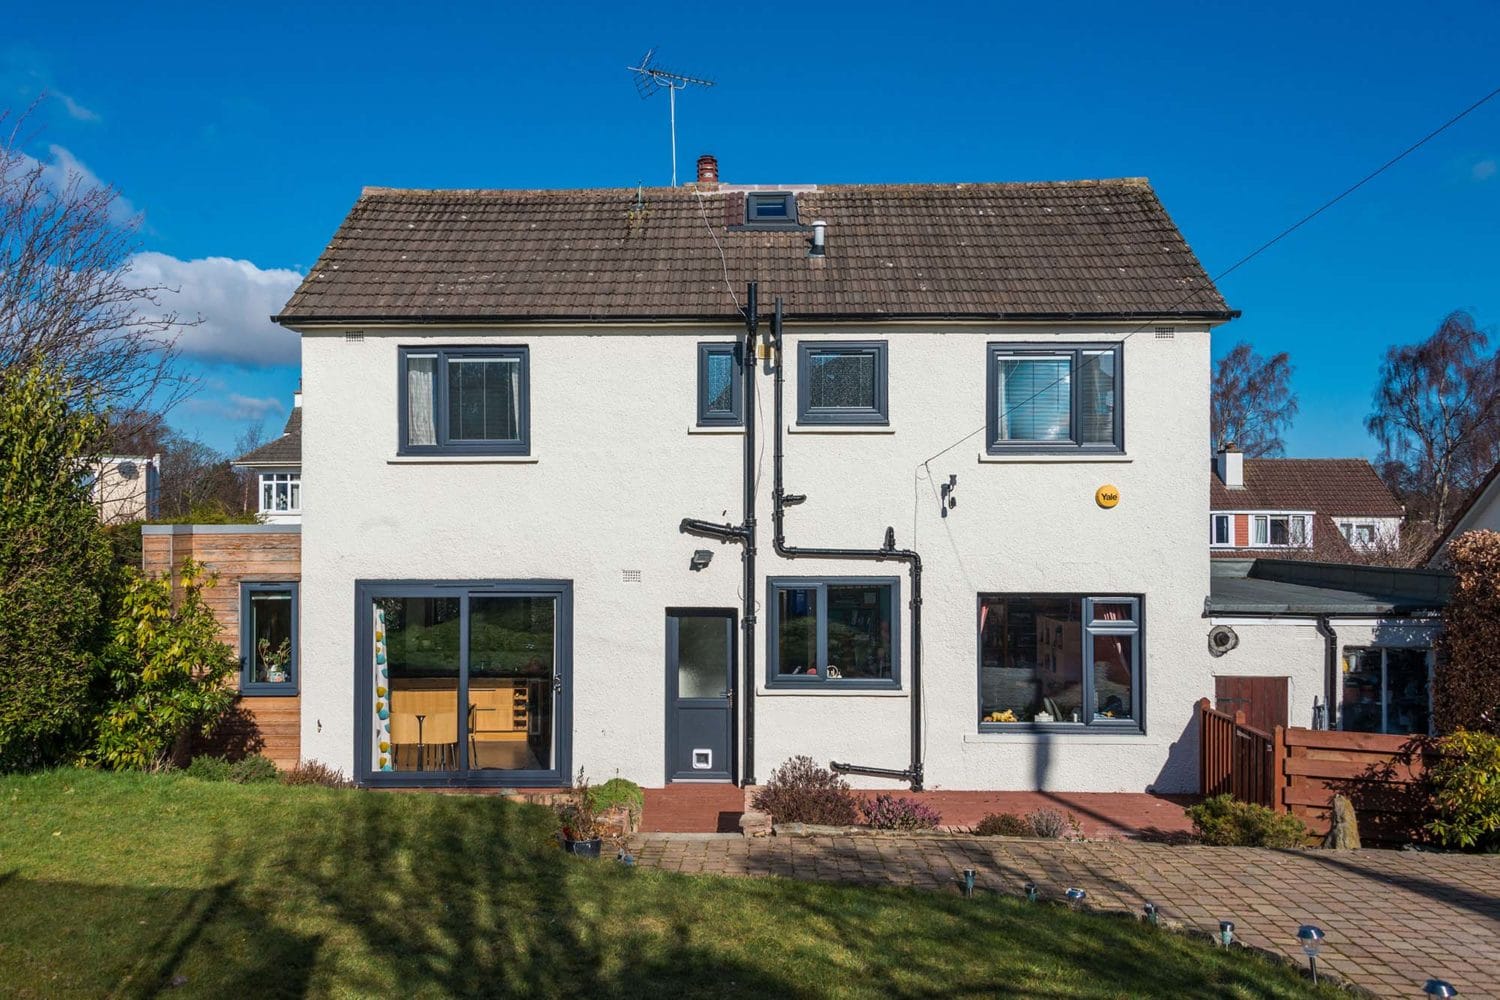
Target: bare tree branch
(1253, 403)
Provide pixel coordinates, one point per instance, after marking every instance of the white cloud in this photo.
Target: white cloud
(64, 168)
(235, 300)
(1483, 170)
(75, 110)
(237, 407)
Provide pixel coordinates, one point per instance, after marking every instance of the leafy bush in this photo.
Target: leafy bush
(312, 772)
(1466, 790)
(57, 580)
(1002, 825)
(1466, 684)
(207, 767)
(799, 791)
(167, 672)
(887, 812)
(1050, 824)
(617, 792)
(1226, 822)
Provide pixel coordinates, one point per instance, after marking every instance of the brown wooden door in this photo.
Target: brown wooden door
(1262, 699)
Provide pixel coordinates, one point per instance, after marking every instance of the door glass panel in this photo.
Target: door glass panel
(797, 631)
(1113, 655)
(512, 659)
(703, 645)
(859, 631)
(271, 635)
(416, 692)
(1406, 691)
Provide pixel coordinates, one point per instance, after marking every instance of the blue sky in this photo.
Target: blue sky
(244, 132)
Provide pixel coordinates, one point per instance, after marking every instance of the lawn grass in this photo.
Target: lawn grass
(124, 885)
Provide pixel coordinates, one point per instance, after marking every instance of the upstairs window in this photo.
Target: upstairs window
(280, 493)
(771, 208)
(465, 401)
(1219, 532)
(842, 382)
(719, 389)
(1281, 530)
(1054, 398)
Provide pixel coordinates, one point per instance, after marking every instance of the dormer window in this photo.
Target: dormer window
(771, 208)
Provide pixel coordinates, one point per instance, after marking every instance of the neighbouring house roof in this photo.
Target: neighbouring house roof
(1338, 487)
(1488, 492)
(1298, 587)
(284, 451)
(1076, 249)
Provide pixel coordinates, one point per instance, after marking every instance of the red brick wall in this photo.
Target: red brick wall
(1241, 530)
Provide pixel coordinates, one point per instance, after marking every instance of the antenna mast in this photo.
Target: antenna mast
(649, 79)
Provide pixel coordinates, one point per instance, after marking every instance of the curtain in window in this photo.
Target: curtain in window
(841, 381)
(1096, 398)
(1033, 399)
(419, 401)
(484, 396)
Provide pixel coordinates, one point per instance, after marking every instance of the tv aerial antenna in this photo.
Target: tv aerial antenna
(649, 79)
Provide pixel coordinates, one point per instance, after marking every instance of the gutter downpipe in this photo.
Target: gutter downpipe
(1330, 670)
(743, 533)
(780, 500)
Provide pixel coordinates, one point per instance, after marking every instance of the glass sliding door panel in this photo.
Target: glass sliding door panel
(512, 663)
(1406, 691)
(419, 639)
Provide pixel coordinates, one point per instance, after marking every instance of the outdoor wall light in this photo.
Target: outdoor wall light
(701, 559)
(1311, 938)
(1076, 897)
(1439, 988)
(1031, 893)
(968, 883)
(1152, 916)
(1226, 932)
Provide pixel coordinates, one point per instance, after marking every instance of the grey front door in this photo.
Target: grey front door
(700, 694)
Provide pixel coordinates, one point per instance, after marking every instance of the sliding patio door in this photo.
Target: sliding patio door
(464, 683)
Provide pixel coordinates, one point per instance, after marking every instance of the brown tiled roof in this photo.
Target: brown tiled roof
(1085, 249)
(1336, 487)
(285, 450)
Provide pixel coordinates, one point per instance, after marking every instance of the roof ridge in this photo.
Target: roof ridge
(1143, 183)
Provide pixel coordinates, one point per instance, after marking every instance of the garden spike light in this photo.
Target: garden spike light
(1439, 988)
(1226, 932)
(1152, 916)
(1031, 893)
(1311, 939)
(968, 883)
(1076, 897)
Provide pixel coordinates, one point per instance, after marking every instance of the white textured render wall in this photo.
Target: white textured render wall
(615, 467)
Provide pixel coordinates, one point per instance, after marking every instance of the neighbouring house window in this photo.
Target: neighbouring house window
(1219, 530)
(268, 638)
(842, 382)
(280, 492)
(466, 400)
(1049, 660)
(1386, 690)
(833, 632)
(1358, 534)
(771, 207)
(1045, 398)
(1281, 530)
(719, 390)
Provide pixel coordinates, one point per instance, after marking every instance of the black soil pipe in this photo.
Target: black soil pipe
(780, 500)
(1330, 669)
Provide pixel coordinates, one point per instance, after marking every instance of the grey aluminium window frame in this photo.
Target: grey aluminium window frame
(292, 685)
(1134, 726)
(754, 199)
(820, 681)
(876, 415)
(736, 415)
(443, 445)
(365, 593)
(994, 352)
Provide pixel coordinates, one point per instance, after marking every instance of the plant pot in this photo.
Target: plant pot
(276, 676)
(583, 848)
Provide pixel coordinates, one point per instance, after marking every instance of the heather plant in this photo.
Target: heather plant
(888, 812)
(799, 791)
(312, 772)
(1050, 824)
(1224, 821)
(1465, 782)
(1002, 825)
(1466, 685)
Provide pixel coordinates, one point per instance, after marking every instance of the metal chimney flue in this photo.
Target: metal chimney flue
(819, 239)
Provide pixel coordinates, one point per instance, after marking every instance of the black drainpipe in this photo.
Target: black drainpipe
(780, 501)
(1330, 670)
(743, 533)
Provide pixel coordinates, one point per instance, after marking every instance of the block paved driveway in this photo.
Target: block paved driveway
(1393, 918)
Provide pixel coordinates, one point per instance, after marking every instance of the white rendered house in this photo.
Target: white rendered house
(532, 546)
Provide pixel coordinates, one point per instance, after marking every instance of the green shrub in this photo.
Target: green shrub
(207, 767)
(167, 673)
(253, 770)
(616, 792)
(799, 791)
(1002, 825)
(1227, 822)
(1466, 791)
(312, 772)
